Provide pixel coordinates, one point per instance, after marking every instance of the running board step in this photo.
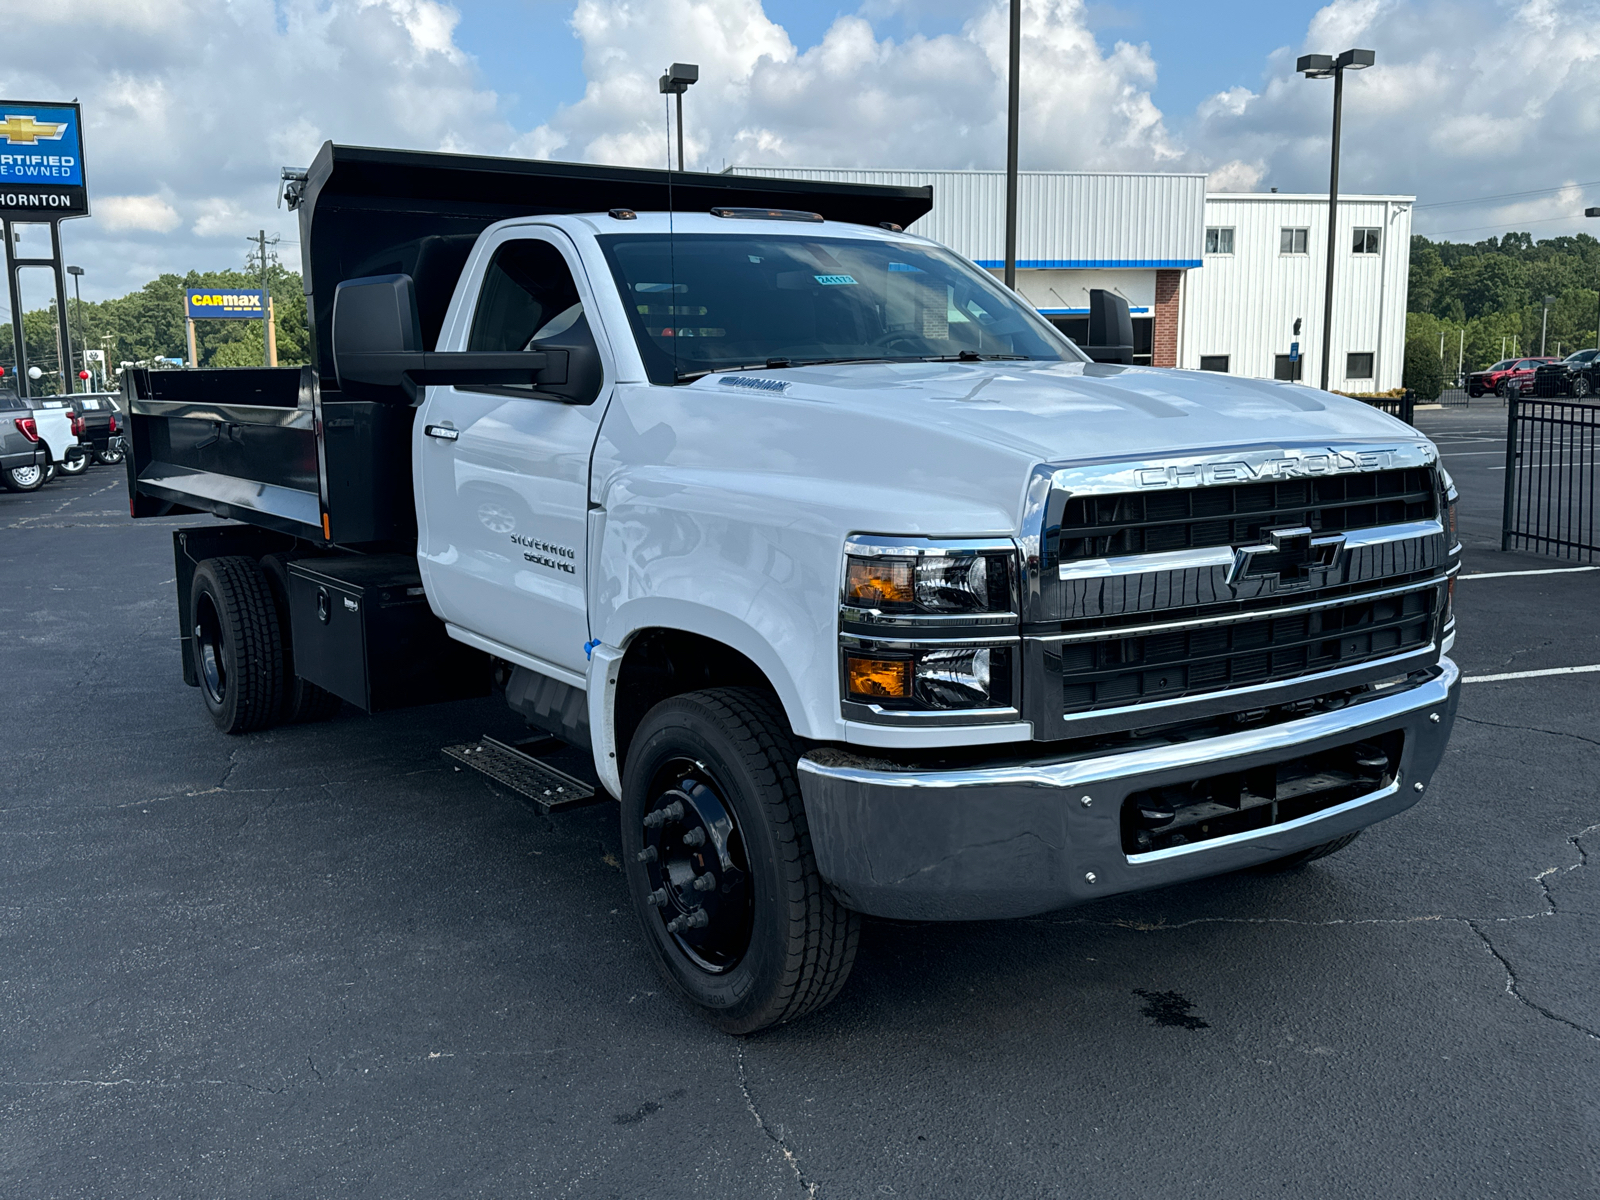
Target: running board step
(550, 789)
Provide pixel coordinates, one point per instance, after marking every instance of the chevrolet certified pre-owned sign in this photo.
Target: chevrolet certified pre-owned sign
(41, 161)
(210, 303)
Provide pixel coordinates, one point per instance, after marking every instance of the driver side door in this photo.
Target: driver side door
(504, 469)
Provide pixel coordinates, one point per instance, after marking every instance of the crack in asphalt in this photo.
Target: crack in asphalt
(1528, 729)
(1513, 991)
(774, 1136)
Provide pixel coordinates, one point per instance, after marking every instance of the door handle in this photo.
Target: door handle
(442, 432)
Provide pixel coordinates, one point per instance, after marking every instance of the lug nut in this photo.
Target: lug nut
(648, 854)
(695, 837)
(657, 898)
(1434, 717)
(1086, 801)
(704, 883)
(672, 812)
(1416, 787)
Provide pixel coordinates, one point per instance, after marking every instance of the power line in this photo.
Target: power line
(1505, 196)
(1509, 226)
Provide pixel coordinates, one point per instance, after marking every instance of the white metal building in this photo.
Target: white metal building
(1215, 281)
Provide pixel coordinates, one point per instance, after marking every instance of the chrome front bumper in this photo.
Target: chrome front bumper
(1010, 841)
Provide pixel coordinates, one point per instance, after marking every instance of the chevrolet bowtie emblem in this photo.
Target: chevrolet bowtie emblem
(25, 131)
(1296, 558)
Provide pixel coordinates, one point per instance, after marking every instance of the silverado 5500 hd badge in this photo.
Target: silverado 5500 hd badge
(547, 554)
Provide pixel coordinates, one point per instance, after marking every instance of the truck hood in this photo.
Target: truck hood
(1075, 412)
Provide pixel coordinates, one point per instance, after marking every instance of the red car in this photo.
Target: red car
(1504, 375)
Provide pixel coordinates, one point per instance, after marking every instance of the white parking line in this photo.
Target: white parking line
(1509, 574)
(1530, 674)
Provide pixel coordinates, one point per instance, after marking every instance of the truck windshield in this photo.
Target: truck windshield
(712, 302)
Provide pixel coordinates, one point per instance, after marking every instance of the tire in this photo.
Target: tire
(1291, 862)
(238, 655)
(1580, 387)
(74, 466)
(1500, 389)
(1474, 393)
(303, 701)
(108, 458)
(24, 479)
(775, 944)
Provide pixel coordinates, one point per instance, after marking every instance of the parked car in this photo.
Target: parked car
(840, 640)
(1518, 381)
(22, 467)
(59, 426)
(1574, 375)
(1488, 379)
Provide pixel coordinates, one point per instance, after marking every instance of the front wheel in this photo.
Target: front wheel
(1474, 392)
(1580, 387)
(720, 866)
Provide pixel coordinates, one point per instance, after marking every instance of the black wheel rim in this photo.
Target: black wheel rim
(698, 871)
(208, 650)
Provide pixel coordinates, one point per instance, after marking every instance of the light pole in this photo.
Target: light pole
(77, 297)
(1325, 66)
(675, 83)
(1595, 212)
(1013, 105)
(1544, 321)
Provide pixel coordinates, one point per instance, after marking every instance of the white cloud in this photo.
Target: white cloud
(1467, 98)
(194, 105)
(128, 213)
(855, 98)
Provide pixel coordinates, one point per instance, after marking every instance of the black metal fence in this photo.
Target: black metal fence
(1551, 447)
(1454, 398)
(1404, 407)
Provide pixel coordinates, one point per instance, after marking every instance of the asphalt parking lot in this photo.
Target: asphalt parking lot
(321, 961)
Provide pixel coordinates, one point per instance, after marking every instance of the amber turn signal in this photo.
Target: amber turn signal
(873, 581)
(878, 678)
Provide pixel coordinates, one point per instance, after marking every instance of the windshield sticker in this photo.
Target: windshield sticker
(759, 385)
(835, 280)
(906, 267)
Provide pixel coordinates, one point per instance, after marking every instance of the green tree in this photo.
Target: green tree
(1424, 373)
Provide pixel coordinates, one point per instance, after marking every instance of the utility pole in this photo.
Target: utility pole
(1013, 107)
(269, 323)
(1461, 353)
(1544, 322)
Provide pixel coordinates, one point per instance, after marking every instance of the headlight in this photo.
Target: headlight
(937, 580)
(929, 630)
(909, 678)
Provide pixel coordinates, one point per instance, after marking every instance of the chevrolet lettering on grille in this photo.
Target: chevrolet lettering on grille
(1296, 558)
(1287, 466)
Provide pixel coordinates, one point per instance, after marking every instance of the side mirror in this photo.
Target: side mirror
(378, 354)
(1110, 328)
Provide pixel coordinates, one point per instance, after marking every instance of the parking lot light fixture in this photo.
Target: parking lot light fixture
(1595, 212)
(1544, 321)
(676, 82)
(77, 296)
(1325, 66)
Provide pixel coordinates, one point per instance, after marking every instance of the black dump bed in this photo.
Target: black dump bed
(280, 447)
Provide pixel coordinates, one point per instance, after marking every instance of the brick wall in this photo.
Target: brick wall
(1164, 337)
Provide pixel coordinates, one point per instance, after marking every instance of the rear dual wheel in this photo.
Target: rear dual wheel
(720, 867)
(238, 655)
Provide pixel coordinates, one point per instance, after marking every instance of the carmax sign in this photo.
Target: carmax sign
(208, 304)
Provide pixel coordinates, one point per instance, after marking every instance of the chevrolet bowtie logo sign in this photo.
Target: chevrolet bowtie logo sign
(1295, 558)
(25, 131)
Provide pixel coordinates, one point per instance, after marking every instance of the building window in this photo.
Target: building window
(1293, 241)
(1366, 241)
(1214, 362)
(1358, 366)
(1282, 368)
(1219, 240)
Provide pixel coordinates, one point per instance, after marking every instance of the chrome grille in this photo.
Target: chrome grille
(1117, 525)
(1109, 672)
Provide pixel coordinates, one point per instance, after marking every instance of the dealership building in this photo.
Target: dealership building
(1215, 280)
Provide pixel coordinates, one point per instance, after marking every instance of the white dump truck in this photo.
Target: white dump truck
(862, 589)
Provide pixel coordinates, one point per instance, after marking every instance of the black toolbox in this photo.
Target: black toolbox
(363, 630)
